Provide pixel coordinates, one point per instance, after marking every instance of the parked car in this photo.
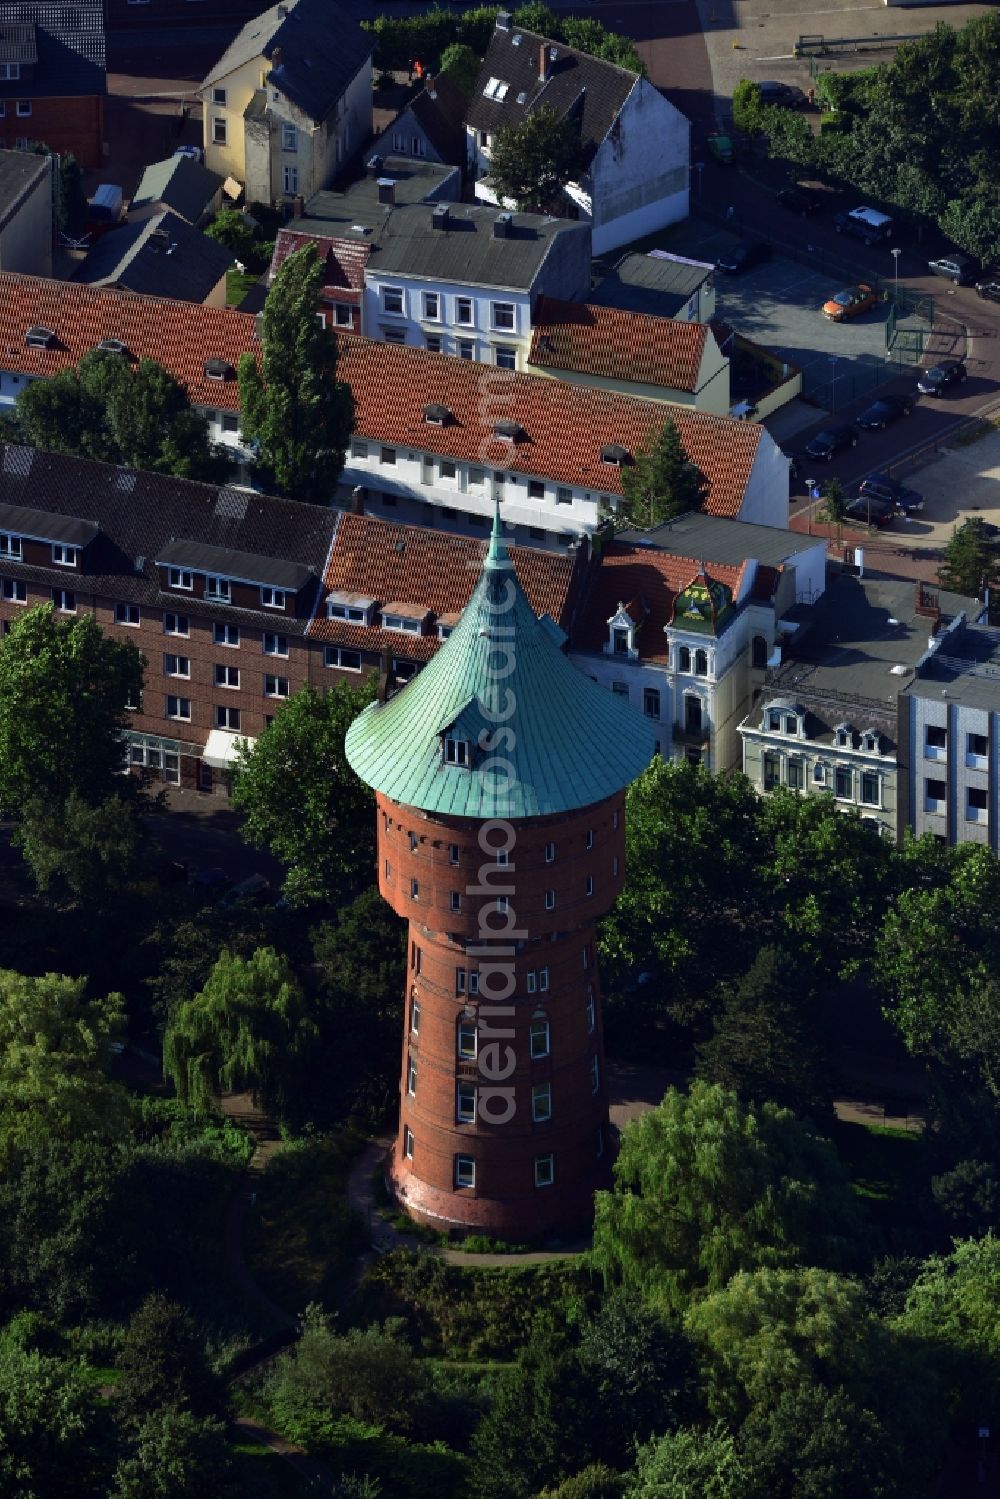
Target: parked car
(881, 487)
(849, 303)
(831, 441)
(870, 510)
(785, 94)
(941, 376)
(989, 289)
(885, 410)
(800, 200)
(865, 223)
(954, 267)
(743, 255)
(721, 147)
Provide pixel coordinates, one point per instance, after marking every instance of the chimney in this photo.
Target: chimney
(374, 164)
(501, 226)
(544, 68)
(504, 19)
(386, 191)
(440, 216)
(358, 500)
(298, 206)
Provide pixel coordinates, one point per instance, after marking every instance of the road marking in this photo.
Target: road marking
(778, 57)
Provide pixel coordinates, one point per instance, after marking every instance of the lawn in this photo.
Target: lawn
(238, 285)
(301, 1242)
(886, 1168)
(262, 1474)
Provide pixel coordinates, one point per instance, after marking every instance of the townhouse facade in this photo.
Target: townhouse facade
(53, 83)
(430, 127)
(687, 640)
(289, 103)
(436, 440)
(635, 145)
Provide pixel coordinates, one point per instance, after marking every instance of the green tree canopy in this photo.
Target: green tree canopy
(530, 161)
(706, 1186)
(688, 1463)
(89, 852)
(971, 559)
(231, 229)
(954, 1308)
(176, 1455)
(302, 800)
(55, 1051)
(64, 687)
(295, 410)
(163, 1365)
(247, 1029)
(661, 482)
(819, 1443)
(462, 66)
(109, 410)
(53, 1435)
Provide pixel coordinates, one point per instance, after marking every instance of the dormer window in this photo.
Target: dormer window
(218, 589)
(508, 430)
(437, 415)
(39, 338)
(350, 608)
(615, 454)
(457, 752)
(621, 641)
(400, 622)
(63, 555)
(844, 736)
(10, 546)
(180, 577)
(218, 369)
(112, 346)
(870, 742)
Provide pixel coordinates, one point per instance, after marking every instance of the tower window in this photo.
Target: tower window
(465, 1107)
(595, 1075)
(453, 853)
(541, 1103)
(411, 1077)
(467, 1040)
(550, 900)
(415, 1016)
(459, 980)
(414, 889)
(456, 752)
(456, 901)
(550, 853)
(590, 837)
(591, 1016)
(539, 1037)
(545, 1171)
(408, 1143)
(465, 1171)
(590, 884)
(543, 979)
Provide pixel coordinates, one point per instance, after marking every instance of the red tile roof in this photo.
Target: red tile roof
(345, 259)
(181, 335)
(387, 562)
(629, 572)
(617, 345)
(564, 426)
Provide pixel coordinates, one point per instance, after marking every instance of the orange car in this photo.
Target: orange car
(849, 302)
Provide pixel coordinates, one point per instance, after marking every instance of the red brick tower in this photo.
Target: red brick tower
(500, 773)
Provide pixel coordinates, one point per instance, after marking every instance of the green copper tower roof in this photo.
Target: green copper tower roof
(500, 723)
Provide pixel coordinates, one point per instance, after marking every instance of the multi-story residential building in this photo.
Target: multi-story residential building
(949, 735)
(635, 144)
(52, 77)
(657, 358)
(825, 719)
(289, 103)
(408, 264)
(430, 127)
(26, 212)
(682, 621)
(436, 439)
(215, 586)
(660, 285)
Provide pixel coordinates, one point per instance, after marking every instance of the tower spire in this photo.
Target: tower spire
(497, 555)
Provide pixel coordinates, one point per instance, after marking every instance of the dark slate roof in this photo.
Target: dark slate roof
(66, 39)
(160, 257)
(19, 170)
(467, 250)
(322, 49)
(140, 514)
(439, 110)
(357, 209)
(658, 284)
(244, 567)
(23, 520)
(180, 184)
(593, 90)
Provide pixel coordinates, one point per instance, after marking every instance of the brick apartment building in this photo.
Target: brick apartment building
(52, 77)
(228, 594)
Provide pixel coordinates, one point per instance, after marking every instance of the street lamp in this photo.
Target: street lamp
(810, 483)
(833, 383)
(699, 167)
(895, 272)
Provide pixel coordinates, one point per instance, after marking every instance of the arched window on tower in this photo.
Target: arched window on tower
(683, 658)
(701, 663)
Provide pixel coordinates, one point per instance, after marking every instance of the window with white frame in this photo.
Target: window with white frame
(180, 577)
(63, 555)
(564, 496)
(460, 980)
(179, 707)
(473, 980)
(539, 1037)
(411, 1077)
(977, 804)
(590, 837)
(468, 1040)
(291, 179)
(465, 1171)
(289, 138)
(227, 718)
(843, 783)
(219, 130)
(414, 889)
(651, 702)
(541, 1103)
(545, 1170)
(502, 316)
(463, 311)
(591, 1014)
(505, 357)
(10, 546)
(176, 624)
(871, 788)
(219, 96)
(550, 900)
(465, 1103)
(455, 900)
(793, 775)
(408, 1142)
(227, 676)
(466, 349)
(275, 645)
(543, 980)
(392, 300)
(272, 598)
(457, 752)
(453, 853)
(15, 590)
(23, 108)
(9, 72)
(432, 306)
(550, 853)
(176, 666)
(343, 316)
(845, 739)
(218, 589)
(64, 600)
(227, 635)
(275, 686)
(127, 614)
(819, 774)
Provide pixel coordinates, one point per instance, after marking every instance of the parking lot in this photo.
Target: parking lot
(778, 305)
(962, 483)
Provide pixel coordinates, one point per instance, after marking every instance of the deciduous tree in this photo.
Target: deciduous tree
(176, 1455)
(706, 1186)
(163, 1365)
(462, 66)
(295, 410)
(53, 1434)
(303, 801)
(971, 559)
(691, 1462)
(530, 161)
